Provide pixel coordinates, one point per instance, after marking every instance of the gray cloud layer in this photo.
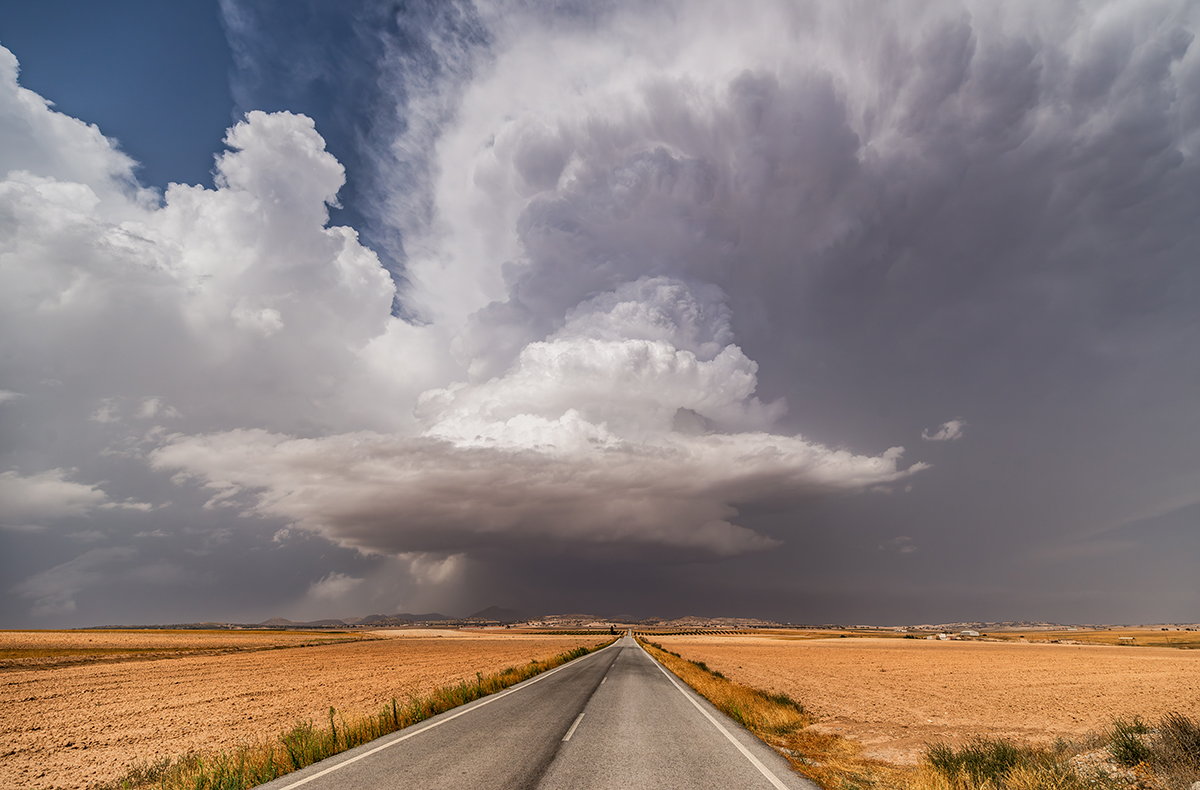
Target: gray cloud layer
(663, 286)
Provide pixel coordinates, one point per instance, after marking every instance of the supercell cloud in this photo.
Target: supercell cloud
(656, 286)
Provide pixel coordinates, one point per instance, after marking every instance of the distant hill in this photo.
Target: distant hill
(403, 618)
(281, 622)
(412, 618)
(500, 615)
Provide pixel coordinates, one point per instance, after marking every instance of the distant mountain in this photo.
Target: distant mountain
(281, 622)
(500, 615)
(412, 618)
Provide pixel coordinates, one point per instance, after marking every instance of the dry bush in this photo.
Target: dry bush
(997, 764)
(1175, 752)
(1128, 742)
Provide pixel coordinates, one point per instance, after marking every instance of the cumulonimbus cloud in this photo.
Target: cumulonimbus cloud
(580, 442)
(582, 243)
(390, 494)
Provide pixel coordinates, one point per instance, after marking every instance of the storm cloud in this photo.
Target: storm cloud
(657, 285)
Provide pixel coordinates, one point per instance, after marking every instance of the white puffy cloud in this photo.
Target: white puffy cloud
(53, 145)
(230, 305)
(946, 432)
(625, 361)
(27, 502)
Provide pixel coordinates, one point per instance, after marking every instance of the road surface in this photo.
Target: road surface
(612, 719)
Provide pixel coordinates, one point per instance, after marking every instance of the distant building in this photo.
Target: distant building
(968, 632)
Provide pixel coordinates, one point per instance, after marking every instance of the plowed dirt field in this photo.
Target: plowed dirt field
(896, 695)
(82, 723)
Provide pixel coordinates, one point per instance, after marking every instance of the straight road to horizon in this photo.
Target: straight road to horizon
(613, 719)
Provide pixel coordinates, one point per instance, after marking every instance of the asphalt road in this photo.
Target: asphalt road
(613, 719)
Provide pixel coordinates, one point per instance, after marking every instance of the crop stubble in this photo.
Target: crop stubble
(894, 696)
(75, 726)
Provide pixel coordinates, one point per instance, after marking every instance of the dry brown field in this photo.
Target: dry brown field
(32, 649)
(80, 723)
(896, 695)
(1142, 637)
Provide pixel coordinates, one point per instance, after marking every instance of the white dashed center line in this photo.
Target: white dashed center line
(571, 731)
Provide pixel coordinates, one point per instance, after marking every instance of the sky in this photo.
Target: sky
(816, 311)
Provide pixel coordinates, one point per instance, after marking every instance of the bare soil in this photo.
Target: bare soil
(45, 649)
(895, 695)
(80, 725)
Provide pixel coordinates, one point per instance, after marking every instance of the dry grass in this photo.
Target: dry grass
(1165, 756)
(1124, 637)
(986, 764)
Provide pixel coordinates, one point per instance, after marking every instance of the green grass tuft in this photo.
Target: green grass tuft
(1128, 742)
(980, 760)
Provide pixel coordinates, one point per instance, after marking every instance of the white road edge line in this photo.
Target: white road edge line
(762, 769)
(571, 731)
(486, 701)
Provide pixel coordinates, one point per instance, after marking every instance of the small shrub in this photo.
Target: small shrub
(779, 698)
(1174, 760)
(705, 667)
(981, 759)
(145, 774)
(1178, 741)
(1127, 744)
(984, 763)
